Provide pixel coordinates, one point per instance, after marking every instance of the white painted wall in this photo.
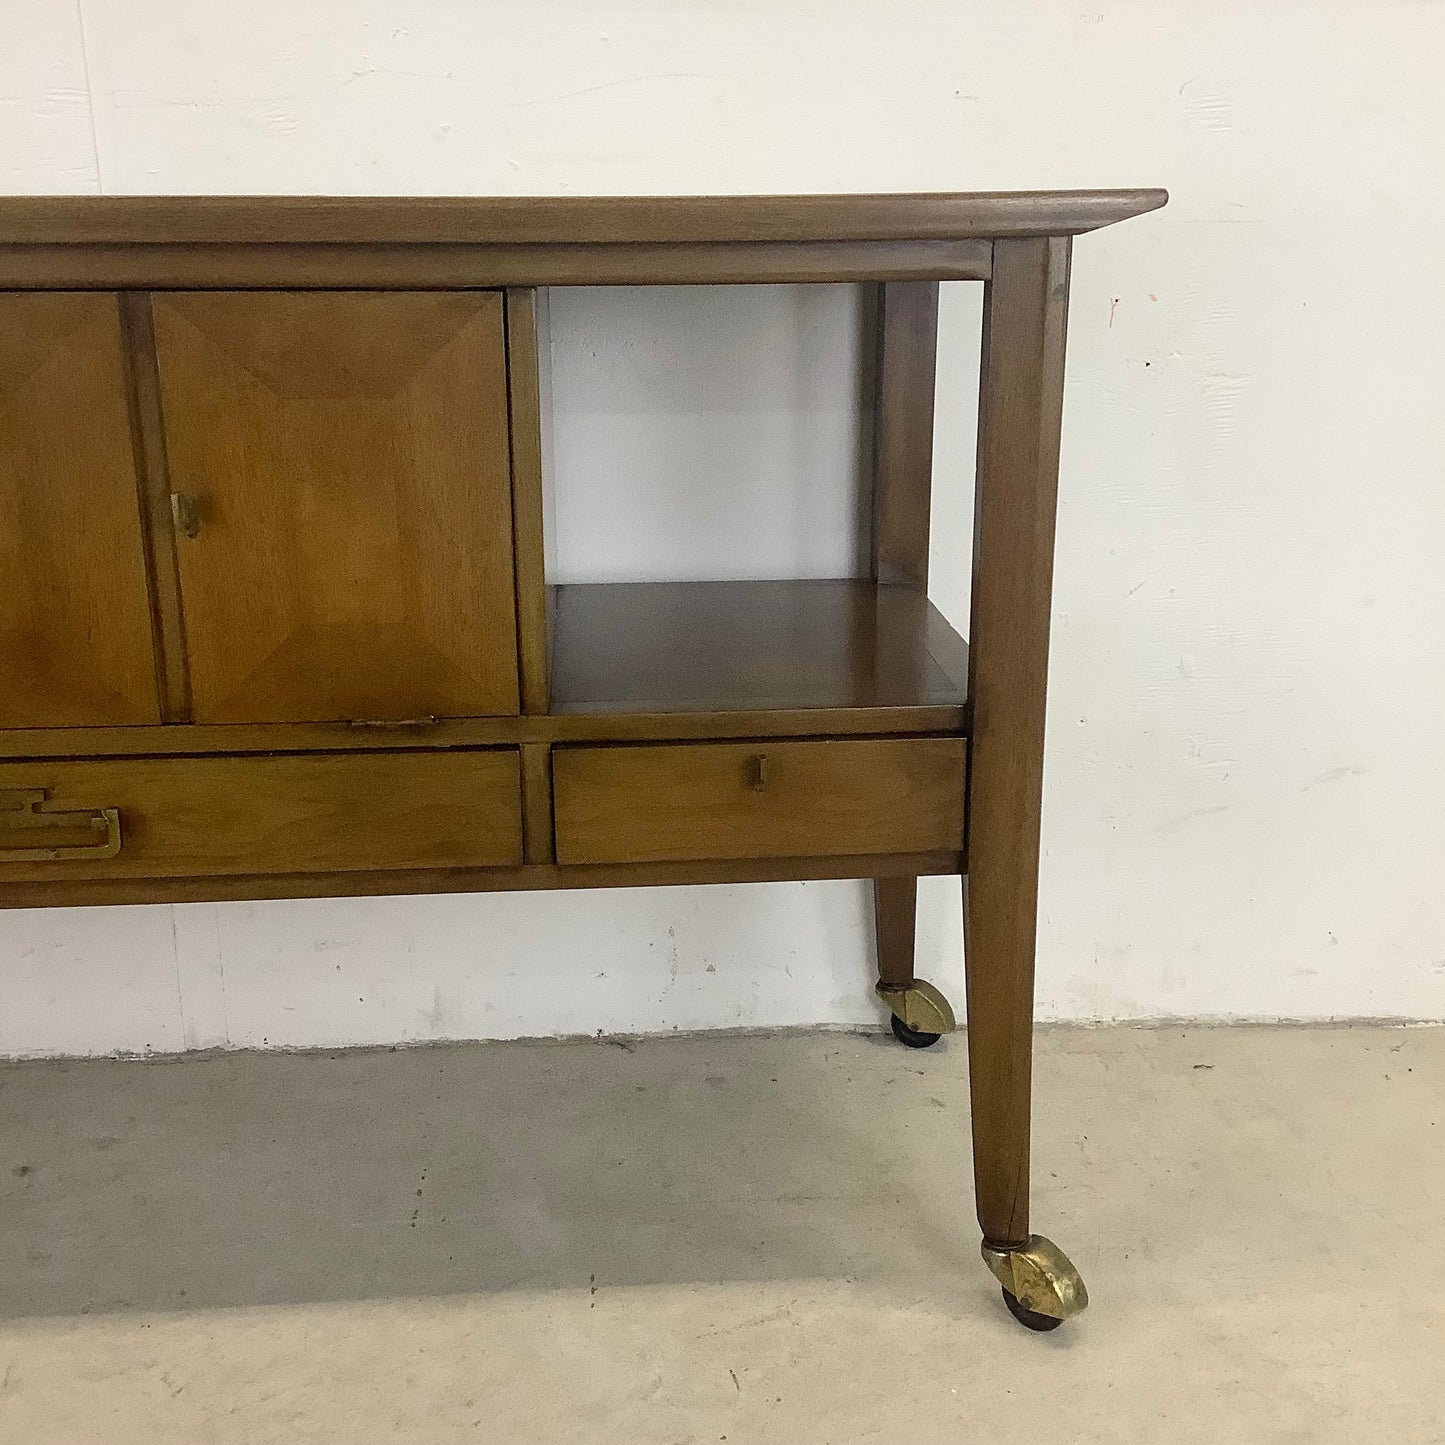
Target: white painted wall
(1246, 786)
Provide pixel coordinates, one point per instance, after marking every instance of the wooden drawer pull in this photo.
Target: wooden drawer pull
(758, 772)
(20, 813)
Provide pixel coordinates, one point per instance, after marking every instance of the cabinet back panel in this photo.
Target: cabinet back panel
(75, 628)
(348, 456)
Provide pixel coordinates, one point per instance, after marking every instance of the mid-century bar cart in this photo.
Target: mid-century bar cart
(276, 618)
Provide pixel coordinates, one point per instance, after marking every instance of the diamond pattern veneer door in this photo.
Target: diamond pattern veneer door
(75, 622)
(348, 457)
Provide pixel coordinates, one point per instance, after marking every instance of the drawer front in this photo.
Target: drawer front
(679, 801)
(308, 813)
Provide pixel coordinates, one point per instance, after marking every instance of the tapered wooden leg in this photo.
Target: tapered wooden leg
(895, 913)
(1020, 407)
(921, 1014)
(907, 339)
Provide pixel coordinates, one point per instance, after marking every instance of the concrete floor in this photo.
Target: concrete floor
(740, 1239)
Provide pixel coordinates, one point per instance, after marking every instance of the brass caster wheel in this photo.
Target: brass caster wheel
(1041, 1287)
(921, 1015)
(1029, 1319)
(912, 1038)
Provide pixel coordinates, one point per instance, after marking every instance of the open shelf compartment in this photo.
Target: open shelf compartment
(808, 648)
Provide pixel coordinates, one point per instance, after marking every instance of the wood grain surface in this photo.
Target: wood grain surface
(534, 220)
(75, 625)
(766, 799)
(348, 455)
(184, 817)
(1020, 413)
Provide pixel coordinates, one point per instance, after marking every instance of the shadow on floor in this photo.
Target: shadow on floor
(259, 1179)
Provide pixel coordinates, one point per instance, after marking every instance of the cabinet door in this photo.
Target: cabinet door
(75, 621)
(345, 542)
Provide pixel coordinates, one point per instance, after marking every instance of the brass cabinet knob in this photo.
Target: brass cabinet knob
(186, 513)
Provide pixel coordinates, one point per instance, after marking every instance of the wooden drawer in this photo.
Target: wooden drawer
(680, 801)
(306, 813)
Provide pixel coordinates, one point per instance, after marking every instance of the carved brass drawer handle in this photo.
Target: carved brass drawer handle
(20, 812)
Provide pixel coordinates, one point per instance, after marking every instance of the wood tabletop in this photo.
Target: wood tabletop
(553, 220)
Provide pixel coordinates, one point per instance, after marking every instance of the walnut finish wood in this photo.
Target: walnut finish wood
(613, 727)
(577, 220)
(681, 801)
(385, 694)
(358, 883)
(538, 846)
(732, 646)
(348, 454)
(524, 378)
(906, 368)
(450, 266)
(1020, 411)
(895, 915)
(183, 817)
(168, 634)
(75, 626)
(692, 660)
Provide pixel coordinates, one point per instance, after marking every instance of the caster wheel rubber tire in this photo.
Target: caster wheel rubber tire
(1030, 1319)
(913, 1038)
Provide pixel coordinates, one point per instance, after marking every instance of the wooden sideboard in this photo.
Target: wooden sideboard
(276, 619)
